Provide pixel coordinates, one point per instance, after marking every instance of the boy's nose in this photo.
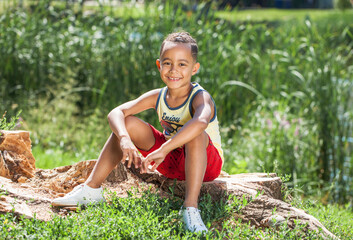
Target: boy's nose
(172, 69)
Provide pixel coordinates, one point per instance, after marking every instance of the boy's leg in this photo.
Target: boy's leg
(110, 156)
(111, 153)
(195, 168)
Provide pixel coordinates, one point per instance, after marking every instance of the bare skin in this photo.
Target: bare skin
(176, 66)
(112, 153)
(195, 165)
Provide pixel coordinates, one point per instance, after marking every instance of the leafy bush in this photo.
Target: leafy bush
(272, 133)
(343, 4)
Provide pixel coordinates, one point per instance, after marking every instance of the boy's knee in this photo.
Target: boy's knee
(130, 122)
(137, 128)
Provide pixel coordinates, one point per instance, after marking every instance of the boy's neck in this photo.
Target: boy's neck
(180, 92)
(176, 97)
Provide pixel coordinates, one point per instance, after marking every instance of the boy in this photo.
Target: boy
(188, 149)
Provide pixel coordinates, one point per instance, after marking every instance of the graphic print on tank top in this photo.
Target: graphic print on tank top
(170, 124)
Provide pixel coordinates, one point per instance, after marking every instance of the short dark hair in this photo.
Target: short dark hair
(182, 37)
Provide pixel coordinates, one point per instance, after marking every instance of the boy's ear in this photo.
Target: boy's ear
(196, 68)
(158, 63)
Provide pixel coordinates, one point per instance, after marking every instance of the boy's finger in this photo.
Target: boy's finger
(154, 167)
(141, 169)
(123, 159)
(146, 163)
(130, 160)
(136, 160)
(139, 161)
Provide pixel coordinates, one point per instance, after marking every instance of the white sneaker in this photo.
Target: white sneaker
(192, 220)
(80, 195)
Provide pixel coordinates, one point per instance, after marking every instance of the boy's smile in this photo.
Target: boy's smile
(177, 65)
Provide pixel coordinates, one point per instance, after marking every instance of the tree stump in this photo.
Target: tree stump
(16, 159)
(26, 190)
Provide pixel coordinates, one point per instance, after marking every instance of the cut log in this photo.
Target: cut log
(16, 159)
(38, 187)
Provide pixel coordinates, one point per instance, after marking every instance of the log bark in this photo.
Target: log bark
(25, 190)
(16, 159)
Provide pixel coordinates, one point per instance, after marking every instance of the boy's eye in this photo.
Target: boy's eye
(166, 63)
(182, 64)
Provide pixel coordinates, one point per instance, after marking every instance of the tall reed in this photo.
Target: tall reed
(258, 72)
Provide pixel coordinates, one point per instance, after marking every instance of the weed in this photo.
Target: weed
(9, 125)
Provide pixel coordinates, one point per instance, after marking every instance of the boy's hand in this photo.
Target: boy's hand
(157, 157)
(129, 151)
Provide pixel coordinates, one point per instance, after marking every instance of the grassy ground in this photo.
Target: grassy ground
(338, 219)
(153, 217)
(284, 14)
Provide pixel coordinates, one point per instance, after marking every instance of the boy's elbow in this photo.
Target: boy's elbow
(110, 116)
(113, 113)
(203, 124)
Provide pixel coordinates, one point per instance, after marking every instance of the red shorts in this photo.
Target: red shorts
(173, 165)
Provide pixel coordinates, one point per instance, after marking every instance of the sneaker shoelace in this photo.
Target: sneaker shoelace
(195, 215)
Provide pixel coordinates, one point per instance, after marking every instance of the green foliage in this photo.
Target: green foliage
(58, 137)
(338, 219)
(273, 14)
(303, 115)
(343, 4)
(145, 217)
(273, 133)
(67, 68)
(9, 125)
(152, 217)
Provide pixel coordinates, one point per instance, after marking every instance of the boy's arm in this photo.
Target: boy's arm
(203, 112)
(116, 120)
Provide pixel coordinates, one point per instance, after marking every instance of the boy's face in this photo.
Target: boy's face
(176, 65)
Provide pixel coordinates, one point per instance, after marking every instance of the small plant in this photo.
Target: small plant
(286, 192)
(14, 121)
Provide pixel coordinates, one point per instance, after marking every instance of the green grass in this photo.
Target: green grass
(337, 219)
(130, 10)
(284, 14)
(124, 9)
(54, 157)
(154, 217)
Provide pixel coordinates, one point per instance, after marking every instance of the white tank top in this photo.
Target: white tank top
(172, 119)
